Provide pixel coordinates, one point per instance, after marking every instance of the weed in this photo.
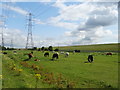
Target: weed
(37, 76)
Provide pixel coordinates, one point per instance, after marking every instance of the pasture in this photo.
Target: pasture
(66, 72)
(96, 47)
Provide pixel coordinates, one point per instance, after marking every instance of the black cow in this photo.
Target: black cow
(90, 58)
(46, 54)
(4, 52)
(14, 51)
(55, 55)
(66, 54)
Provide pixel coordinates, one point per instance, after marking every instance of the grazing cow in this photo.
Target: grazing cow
(39, 49)
(108, 54)
(55, 55)
(46, 54)
(36, 60)
(61, 52)
(73, 52)
(30, 55)
(4, 52)
(78, 51)
(66, 54)
(14, 52)
(90, 58)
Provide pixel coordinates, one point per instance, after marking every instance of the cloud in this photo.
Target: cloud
(101, 20)
(72, 12)
(1, 23)
(16, 9)
(21, 11)
(97, 35)
(60, 0)
(103, 16)
(28, 1)
(89, 15)
(62, 24)
(93, 18)
(20, 38)
(38, 21)
(100, 16)
(16, 35)
(60, 4)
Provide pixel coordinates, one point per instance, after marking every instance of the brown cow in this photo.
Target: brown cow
(30, 55)
(108, 54)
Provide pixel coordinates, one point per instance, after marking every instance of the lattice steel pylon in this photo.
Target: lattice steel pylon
(11, 43)
(29, 43)
(2, 38)
(2, 25)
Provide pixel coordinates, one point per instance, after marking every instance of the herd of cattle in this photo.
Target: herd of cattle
(56, 55)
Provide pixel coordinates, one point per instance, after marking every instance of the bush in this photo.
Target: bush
(34, 48)
(50, 48)
(42, 48)
(56, 49)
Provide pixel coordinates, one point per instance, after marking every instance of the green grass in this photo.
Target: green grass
(96, 47)
(103, 72)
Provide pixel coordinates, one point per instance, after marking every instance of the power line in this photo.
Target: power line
(36, 9)
(64, 11)
(43, 12)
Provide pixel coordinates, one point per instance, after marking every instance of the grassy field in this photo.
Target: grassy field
(70, 72)
(97, 47)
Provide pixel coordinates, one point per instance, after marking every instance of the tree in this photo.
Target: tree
(50, 48)
(77, 51)
(56, 49)
(45, 49)
(39, 49)
(4, 48)
(34, 48)
(42, 48)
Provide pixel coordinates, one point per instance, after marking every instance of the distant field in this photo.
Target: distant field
(97, 47)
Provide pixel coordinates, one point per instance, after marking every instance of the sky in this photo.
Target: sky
(59, 23)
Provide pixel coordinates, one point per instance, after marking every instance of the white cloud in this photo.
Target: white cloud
(16, 35)
(20, 39)
(28, 0)
(97, 35)
(1, 23)
(16, 9)
(72, 12)
(60, 4)
(37, 21)
(60, 0)
(66, 25)
(88, 15)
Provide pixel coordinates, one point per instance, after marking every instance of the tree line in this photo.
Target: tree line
(50, 48)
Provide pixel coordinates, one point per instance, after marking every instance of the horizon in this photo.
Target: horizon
(66, 46)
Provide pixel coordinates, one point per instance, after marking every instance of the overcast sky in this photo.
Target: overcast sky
(60, 22)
